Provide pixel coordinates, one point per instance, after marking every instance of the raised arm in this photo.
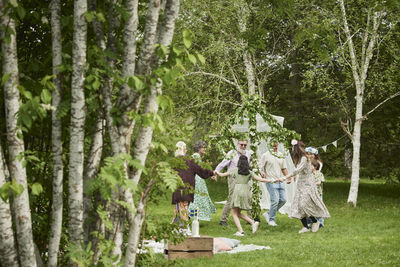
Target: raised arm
(225, 162)
(203, 173)
(299, 168)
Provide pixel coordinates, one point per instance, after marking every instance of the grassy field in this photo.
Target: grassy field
(363, 236)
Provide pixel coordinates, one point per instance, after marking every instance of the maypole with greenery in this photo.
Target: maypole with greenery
(224, 141)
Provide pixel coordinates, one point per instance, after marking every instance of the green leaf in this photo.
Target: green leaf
(37, 189)
(100, 17)
(135, 83)
(27, 94)
(14, 3)
(89, 16)
(192, 58)
(5, 191)
(45, 96)
(164, 148)
(21, 12)
(26, 120)
(96, 84)
(17, 189)
(201, 58)
(187, 38)
(177, 50)
(5, 78)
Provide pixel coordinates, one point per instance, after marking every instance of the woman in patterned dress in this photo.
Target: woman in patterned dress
(184, 195)
(202, 200)
(306, 203)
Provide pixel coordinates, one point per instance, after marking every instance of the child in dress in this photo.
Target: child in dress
(312, 153)
(319, 180)
(240, 200)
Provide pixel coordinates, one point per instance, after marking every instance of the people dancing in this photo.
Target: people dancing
(202, 200)
(307, 202)
(272, 166)
(184, 195)
(239, 199)
(231, 161)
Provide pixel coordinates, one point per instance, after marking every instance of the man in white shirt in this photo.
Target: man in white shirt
(272, 166)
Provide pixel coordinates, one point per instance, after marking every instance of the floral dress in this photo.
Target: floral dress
(202, 199)
(307, 201)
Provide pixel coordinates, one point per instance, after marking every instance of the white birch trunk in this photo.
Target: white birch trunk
(16, 146)
(144, 137)
(8, 249)
(249, 68)
(121, 137)
(359, 70)
(78, 113)
(57, 150)
(90, 172)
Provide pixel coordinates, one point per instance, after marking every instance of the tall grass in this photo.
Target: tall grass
(363, 236)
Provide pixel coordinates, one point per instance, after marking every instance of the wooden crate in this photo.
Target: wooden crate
(191, 247)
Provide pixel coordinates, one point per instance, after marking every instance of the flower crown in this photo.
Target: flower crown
(294, 142)
(309, 149)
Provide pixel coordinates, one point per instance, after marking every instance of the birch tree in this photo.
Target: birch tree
(15, 141)
(78, 113)
(57, 150)
(165, 33)
(8, 249)
(359, 67)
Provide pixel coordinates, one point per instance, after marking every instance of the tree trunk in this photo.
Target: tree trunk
(355, 166)
(144, 137)
(348, 156)
(359, 70)
(78, 113)
(57, 206)
(90, 172)
(16, 144)
(120, 137)
(8, 250)
(249, 68)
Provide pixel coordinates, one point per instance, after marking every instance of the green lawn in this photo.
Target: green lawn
(363, 236)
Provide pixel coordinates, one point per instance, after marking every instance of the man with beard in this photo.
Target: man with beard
(231, 161)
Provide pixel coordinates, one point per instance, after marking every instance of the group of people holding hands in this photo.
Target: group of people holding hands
(307, 204)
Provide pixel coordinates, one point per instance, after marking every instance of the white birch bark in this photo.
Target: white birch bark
(57, 150)
(121, 137)
(127, 97)
(359, 70)
(90, 172)
(16, 145)
(78, 112)
(144, 137)
(249, 68)
(8, 249)
(132, 102)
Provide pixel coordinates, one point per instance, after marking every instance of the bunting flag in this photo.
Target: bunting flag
(333, 143)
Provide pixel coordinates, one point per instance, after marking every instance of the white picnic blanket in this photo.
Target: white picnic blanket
(158, 247)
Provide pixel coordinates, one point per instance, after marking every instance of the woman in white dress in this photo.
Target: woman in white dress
(306, 203)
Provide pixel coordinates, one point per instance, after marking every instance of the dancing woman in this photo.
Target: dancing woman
(202, 199)
(306, 203)
(240, 200)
